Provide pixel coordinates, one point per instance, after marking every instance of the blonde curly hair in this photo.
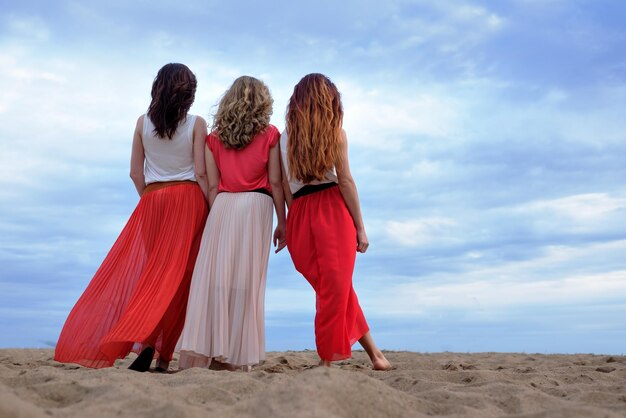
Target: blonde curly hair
(243, 112)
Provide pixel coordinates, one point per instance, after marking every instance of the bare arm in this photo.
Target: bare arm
(285, 185)
(199, 139)
(137, 157)
(275, 177)
(347, 186)
(213, 173)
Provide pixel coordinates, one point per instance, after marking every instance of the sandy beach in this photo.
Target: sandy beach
(289, 385)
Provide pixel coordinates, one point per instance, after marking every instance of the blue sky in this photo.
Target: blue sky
(487, 140)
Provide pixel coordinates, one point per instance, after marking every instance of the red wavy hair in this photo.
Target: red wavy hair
(314, 120)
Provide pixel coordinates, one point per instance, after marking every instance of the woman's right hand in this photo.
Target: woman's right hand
(361, 240)
(280, 238)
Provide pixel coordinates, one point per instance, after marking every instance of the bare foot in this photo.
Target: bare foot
(325, 363)
(161, 366)
(380, 362)
(218, 365)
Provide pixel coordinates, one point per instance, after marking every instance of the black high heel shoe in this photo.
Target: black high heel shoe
(143, 361)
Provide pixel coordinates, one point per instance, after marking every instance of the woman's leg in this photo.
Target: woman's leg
(379, 362)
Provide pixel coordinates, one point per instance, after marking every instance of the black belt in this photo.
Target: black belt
(262, 191)
(313, 188)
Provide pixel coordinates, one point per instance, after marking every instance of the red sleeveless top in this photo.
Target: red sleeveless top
(245, 169)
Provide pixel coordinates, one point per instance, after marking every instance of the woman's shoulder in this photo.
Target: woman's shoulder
(193, 121)
(212, 140)
(197, 118)
(270, 131)
(272, 134)
(140, 122)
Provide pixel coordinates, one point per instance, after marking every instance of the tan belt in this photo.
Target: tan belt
(161, 184)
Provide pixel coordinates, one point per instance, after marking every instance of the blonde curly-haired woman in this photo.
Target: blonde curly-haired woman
(225, 313)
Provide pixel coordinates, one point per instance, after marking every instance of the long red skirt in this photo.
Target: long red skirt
(139, 293)
(321, 239)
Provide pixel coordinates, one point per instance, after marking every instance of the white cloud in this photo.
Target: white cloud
(498, 293)
(547, 280)
(71, 117)
(299, 300)
(163, 40)
(384, 117)
(476, 15)
(424, 168)
(593, 214)
(26, 27)
(581, 208)
(556, 96)
(422, 232)
(29, 75)
(454, 28)
(494, 21)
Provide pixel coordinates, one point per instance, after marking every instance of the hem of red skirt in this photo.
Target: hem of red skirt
(345, 356)
(92, 364)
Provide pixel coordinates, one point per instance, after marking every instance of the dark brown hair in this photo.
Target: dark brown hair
(173, 93)
(314, 119)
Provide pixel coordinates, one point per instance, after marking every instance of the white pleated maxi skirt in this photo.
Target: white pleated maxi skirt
(225, 313)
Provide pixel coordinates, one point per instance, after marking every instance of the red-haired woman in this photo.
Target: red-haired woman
(324, 224)
(137, 298)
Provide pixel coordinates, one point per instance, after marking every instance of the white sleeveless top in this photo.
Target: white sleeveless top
(169, 159)
(295, 185)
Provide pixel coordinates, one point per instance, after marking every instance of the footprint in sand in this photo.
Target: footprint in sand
(62, 394)
(450, 366)
(468, 379)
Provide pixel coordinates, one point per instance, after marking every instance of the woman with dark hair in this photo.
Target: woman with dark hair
(224, 326)
(324, 225)
(137, 299)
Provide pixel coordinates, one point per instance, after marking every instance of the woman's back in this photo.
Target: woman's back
(244, 169)
(169, 159)
(295, 184)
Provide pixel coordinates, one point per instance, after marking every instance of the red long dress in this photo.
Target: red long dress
(139, 294)
(321, 239)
